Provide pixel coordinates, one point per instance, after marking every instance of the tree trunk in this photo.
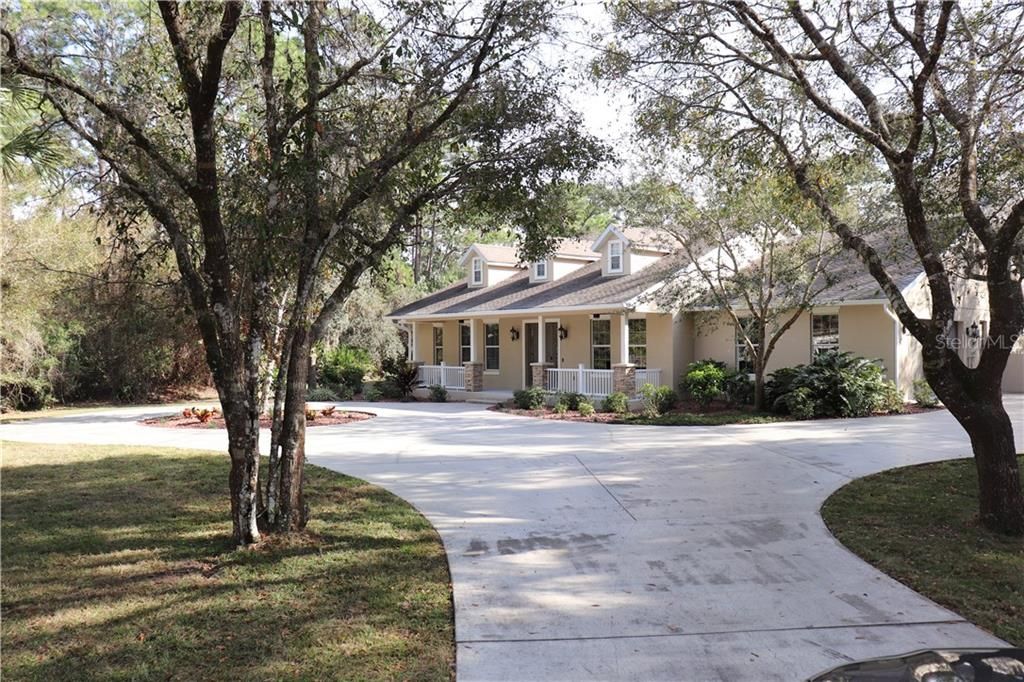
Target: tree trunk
(292, 513)
(759, 398)
(1000, 497)
(975, 398)
(243, 481)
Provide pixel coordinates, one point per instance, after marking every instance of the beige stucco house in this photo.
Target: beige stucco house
(587, 319)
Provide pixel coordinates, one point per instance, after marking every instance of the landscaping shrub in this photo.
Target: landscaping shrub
(561, 407)
(438, 394)
(322, 394)
(738, 389)
(657, 399)
(344, 366)
(572, 400)
(836, 385)
(924, 395)
(529, 399)
(617, 402)
(400, 378)
(800, 403)
(889, 400)
(704, 381)
(586, 409)
(371, 393)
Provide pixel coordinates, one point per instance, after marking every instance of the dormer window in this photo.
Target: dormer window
(478, 271)
(615, 256)
(540, 270)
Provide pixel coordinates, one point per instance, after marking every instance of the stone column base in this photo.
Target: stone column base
(537, 370)
(474, 376)
(624, 378)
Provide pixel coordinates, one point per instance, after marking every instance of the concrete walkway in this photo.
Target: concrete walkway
(586, 551)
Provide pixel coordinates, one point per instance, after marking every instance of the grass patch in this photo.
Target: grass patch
(708, 419)
(919, 525)
(117, 565)
(50, 412)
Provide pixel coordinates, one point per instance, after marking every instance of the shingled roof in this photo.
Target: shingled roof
(585, 287)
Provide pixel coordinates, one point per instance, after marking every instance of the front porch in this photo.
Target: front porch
(597, 383)
(592, 352)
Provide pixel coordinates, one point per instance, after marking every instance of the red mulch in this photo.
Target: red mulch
(179, 421)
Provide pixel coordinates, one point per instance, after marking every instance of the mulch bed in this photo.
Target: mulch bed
(179, 421)
(685, 407)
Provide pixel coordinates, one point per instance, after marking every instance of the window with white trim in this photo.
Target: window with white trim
(824, 333)
(465, 342)
(601, 344)
(438, 345)
(744, 358)
(638, 343)
(540, 270)
(478, 271)
(615, 256)
(491, 353)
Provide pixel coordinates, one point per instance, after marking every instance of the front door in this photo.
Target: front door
(530, 331)
(551, 344)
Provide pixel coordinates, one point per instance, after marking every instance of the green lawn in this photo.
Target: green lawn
(919, 525)
(117, 565)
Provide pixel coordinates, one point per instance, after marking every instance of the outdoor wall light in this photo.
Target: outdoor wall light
(514, 333)
(973, 331)
(563, 333)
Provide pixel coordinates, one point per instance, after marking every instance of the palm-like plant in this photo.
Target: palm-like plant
(28, 144)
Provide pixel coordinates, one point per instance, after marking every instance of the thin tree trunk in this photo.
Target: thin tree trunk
(243, 480)
(292, 512)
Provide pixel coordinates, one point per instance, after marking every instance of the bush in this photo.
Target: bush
(529, 399)
(571, 400)
(561, 407)
(617, 402)
(344, 366)
(657, 399)
(835, 385)
(800, 403)
(400, 380)
(586, 409)
(704, 381)
(322, 394)
(889, 400)
(438, 394)
(738, 389)
(24, 393)
(371, 393)
(924, 395)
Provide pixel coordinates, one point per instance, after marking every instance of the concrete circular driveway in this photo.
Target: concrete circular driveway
(587, 551)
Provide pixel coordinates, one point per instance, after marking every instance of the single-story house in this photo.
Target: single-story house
(587, 319)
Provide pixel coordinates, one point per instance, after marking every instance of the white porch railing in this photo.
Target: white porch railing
(596, 382)
(449, 376)
(580, 380)
(647, 376)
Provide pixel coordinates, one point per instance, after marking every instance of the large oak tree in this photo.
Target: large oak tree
(930, 95)
(285, 149)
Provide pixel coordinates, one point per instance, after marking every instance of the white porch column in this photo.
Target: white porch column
(624, 337)
(540, 339)
(473, 356)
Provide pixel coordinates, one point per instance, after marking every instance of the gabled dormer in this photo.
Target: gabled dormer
(624, 251)
(488, 264)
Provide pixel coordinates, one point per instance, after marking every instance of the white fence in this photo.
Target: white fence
(580, 380)
(449, 376)
(647, 376)
(593, 381)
